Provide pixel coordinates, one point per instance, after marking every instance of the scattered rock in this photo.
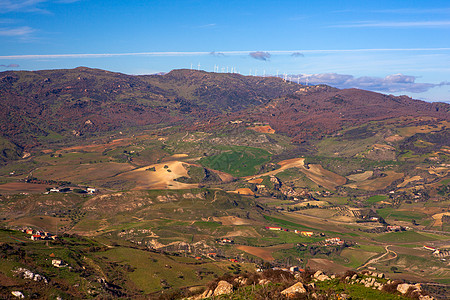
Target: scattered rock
(323, 277)
(403, 287)
(27, 274)
(354, 276)
(296, 288)
(317, 274)
(263, 281)
(241, 281)
(427, 297)
(223, 288)
(380, 275)
(18, 294)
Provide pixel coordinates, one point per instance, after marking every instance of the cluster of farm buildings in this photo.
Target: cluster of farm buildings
(37, 235)
(437, 252)
(304, 233)
(335, 241)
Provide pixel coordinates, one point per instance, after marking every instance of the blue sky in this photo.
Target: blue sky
(395, 47)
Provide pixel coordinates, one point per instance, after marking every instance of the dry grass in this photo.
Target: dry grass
(231, 220)
(16, 187)
(316, 173)
(244, 191)
(360, 176)
(409, 179)
(438, 218)
(163, 176)
(377, 183)
(45, 223)
(323, 177)
(80, 173)
(326, 266)
(98, 147)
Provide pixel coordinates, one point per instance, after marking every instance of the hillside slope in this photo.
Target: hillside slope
(45, 106)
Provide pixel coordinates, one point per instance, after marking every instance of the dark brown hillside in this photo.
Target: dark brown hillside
(82, 100)
(46, 106)
(320, 110)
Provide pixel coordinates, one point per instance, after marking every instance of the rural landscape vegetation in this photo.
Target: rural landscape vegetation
(170, 186)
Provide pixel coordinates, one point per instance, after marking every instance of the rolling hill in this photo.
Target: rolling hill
(42, 107)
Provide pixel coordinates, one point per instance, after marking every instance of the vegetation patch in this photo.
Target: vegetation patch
(238, 161)
(404, 237)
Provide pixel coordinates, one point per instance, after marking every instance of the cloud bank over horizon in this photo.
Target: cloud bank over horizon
(392, 83)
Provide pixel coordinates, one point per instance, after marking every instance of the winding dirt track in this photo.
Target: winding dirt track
(285, 164)
(314, 172)
(379, 259)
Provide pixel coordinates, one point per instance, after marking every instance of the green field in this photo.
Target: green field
(401, 215)
(404, 237)
(376, 198)
(238, 161)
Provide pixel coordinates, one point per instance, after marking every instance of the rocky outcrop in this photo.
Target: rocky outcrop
(291, 291)
(404, 287)
(223, 287)
(27, 274)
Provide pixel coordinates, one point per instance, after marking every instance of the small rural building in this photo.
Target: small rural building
(274, 228)
(394, 228)
(36, 237)
(91, 190)
(57, 263)
(429, 248)
(307, 233)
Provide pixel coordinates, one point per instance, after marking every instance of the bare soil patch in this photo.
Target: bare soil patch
(159, 176)
(23, 187)
(264, 252)
(326, 266)
(45, 223)
(225, 177)
(409, 179)
(244, 191)
(99, 172)
(231, 220)
(438, 218)
(377, 183)
(98, 147)
(257, 181)
(394, 138)
(323, 177)
(285, 164)
(263, 129)
(360, 176)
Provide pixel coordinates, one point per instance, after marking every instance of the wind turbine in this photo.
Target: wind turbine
(198, 67)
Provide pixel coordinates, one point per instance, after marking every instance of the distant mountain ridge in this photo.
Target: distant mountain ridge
(50, 104)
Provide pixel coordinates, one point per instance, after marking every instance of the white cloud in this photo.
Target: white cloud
(27, 5)
(21, 5)
(260, 55)
(200, 53)
(394, 24)
(18, 32)
(391, 83)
